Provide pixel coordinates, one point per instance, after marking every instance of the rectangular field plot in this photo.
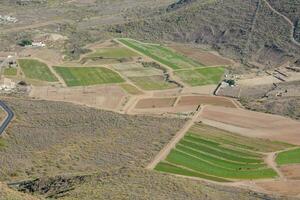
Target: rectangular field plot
(161, 54)
(130, 89)
(135, 69)
(84, 76)
(201, 76)
(113, 53)
(198, 100)
(217, 155)
(34, 69)
(155, 103)
(152, 83)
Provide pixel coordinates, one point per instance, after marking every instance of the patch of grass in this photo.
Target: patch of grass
(152, 83)
(131, 89)
(84, 76)
(10, 71)
(115, 53)
(170, 168)
(288, 157)
(201, 76)
(34, 69)
(161, 54)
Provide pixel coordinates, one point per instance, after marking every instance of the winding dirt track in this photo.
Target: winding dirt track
(287, 19)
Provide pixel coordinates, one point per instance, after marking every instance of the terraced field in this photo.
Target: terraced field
(201, 76)
(34, 69)
(288, 157)
(161, 54)
(84, 76)
(217, 155)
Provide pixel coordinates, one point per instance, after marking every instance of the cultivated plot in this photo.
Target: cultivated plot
(34, 69)
(84, 76)
(217, 155)
(289, 157)
(136, 69)
(152, 83)
(201, 76)
(10, 71)
(161, 54)
(131, 89)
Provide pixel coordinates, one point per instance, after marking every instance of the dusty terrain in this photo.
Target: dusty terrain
(253, 124)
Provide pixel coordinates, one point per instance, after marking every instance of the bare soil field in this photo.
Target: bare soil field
(155, 103)
(104, 97)
(211, 100)
(204, 57)
(288, 187)
(253, 124)
(291, 171)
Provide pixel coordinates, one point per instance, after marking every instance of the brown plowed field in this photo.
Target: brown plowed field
(291, 171)
(198, 100)
(155, 103)
(253, 124)
(104, 97)
(283, 187)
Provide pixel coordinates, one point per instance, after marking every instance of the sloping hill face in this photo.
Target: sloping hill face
(290, 9)
(247, 30)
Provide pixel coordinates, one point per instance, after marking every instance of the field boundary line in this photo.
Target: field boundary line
(180, 134)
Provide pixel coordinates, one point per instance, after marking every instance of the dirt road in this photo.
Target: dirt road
(180, 134)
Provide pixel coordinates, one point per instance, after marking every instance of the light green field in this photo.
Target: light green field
(136, 69)
(34, 69)
(213, 154)
(201, 76)
(84, 76)
(113, 53)
(10, 71)
(152, 83)
(161, 54)
(131, 89)
(288, 157)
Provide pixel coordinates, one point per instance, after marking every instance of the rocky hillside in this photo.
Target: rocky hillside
(247, 30)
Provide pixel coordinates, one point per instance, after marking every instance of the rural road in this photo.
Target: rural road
(9, 117)
(180, 134)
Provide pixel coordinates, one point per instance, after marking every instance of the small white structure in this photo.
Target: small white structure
(38, 44)
(7, 19)
(8, 85)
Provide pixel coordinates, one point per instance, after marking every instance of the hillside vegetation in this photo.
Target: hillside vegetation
(246, 30)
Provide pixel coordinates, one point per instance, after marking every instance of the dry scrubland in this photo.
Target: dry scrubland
(49, 138)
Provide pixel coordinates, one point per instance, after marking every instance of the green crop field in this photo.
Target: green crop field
(152, 83)
(113, 53)
(217, 155)
(84, 76)
(34, 69)
(201, 76)
(161, 54)
(10, 71)
(288, 157)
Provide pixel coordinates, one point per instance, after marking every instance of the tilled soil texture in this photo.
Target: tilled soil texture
(253, 124)
(50, 138)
